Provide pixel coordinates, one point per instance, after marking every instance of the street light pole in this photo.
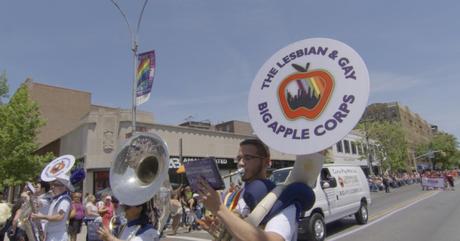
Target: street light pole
(369, 156)
(134, 47)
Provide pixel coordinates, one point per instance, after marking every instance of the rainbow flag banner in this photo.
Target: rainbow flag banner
(144, 75)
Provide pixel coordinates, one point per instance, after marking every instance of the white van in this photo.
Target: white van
(343, 191)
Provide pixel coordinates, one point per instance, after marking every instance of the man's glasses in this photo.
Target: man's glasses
(247, 157)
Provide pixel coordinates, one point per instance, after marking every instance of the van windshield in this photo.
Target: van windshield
(279, 176)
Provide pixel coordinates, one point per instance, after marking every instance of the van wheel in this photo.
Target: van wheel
(362, 215)
(316, 230)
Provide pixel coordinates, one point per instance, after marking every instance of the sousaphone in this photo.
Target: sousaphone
(140, 173)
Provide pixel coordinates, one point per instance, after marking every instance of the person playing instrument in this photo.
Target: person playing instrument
(59, 210)
(138, 227)
(44, 198)
(254, 157)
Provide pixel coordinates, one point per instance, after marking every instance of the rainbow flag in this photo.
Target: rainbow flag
(144, 75)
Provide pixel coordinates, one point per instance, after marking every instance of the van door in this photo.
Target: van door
(328, 185)
(349, 189)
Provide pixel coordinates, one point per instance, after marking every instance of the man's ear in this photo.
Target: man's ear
(269, 163)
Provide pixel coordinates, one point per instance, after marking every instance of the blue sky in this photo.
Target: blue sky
(209, 51)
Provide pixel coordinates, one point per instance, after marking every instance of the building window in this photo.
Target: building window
(353, 147)
(339, 147)
(346, 144)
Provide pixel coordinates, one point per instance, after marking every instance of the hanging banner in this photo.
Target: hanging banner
(308, 96)
(144, 76)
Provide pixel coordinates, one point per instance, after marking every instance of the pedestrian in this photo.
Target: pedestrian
(450, 180)
(76, 216)
(176, 212)
(386, 183)
(106, 211)
(91, 214)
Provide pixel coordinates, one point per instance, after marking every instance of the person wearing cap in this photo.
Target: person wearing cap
(59, 210)
(137, 228)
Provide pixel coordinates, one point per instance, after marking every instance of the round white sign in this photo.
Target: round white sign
(57, 167)
(308, 96)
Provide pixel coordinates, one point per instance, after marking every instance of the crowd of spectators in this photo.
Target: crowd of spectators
(387, 181)
(395, 180)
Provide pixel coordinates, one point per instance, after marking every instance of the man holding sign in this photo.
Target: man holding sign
(304, 99)
(254, 157)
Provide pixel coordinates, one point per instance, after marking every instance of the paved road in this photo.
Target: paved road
(382, 204)
(434, 218)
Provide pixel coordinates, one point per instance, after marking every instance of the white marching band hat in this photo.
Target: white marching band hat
(59, 170)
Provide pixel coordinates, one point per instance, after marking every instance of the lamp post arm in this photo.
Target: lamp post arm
(140, 17)
(134, 46)
(125, 18)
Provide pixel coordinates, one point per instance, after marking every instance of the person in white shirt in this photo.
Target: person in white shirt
(254, 157)
(138, 227)
(59, 210)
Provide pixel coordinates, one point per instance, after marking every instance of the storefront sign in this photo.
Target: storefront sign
(174, 161)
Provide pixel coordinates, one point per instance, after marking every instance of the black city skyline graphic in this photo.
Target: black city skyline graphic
(303, 98)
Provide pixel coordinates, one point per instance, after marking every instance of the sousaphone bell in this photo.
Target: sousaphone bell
(139, 171)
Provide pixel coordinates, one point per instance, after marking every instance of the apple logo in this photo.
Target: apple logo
(305, 93)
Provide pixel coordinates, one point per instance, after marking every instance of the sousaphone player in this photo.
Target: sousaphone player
(137, 174)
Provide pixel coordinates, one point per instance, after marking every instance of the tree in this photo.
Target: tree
(3, 87)
(391, 143)
(21, 121)
(445, 150)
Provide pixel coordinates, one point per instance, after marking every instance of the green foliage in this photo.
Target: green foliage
(21, 121)
(3, 87)
(445, 147)
(391, 142)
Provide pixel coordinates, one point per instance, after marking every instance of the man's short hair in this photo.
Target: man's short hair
(262, 149)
